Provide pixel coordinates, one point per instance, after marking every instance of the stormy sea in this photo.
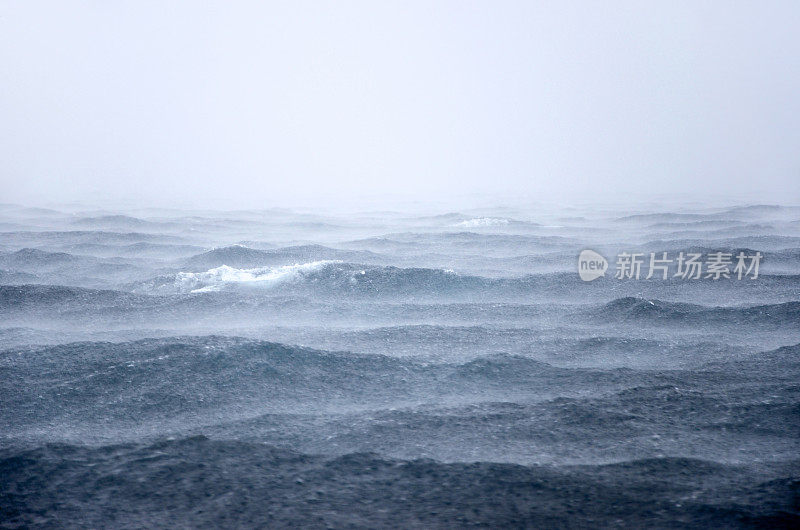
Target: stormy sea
(413, 368)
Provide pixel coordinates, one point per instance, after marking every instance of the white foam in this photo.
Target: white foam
(482, 221)
(224, 276)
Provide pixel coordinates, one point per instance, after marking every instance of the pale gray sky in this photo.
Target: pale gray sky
(249, 103)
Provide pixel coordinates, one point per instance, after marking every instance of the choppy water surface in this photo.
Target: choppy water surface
(277, 368)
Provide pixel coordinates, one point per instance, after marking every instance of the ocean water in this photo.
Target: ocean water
(371, 369)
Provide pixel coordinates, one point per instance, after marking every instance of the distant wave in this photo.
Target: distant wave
(120, 222)
(464, 240)
(761, 242)
(59, 297)
(481, 222)
(640, 308)
(28, 238)
(242, 257)
(737, 212)
(233, 256)
(34, 259)
(12, 277)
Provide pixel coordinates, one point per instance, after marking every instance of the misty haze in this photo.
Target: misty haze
(399, 265)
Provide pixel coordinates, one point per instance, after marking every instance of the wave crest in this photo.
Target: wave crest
(480, 222)
(224, 276)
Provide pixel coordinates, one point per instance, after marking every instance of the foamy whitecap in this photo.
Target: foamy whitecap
(224, 276)
(482, 221)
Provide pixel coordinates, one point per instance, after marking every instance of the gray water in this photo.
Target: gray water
(362, 369)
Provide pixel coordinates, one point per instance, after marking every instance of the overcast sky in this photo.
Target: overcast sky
(249, 103)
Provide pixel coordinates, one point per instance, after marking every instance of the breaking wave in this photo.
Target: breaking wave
(262, 277)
